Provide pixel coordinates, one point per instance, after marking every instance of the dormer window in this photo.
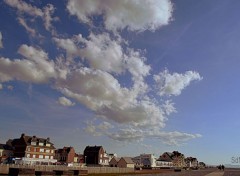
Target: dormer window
(40, 144)
(48, 145)
(33, 143)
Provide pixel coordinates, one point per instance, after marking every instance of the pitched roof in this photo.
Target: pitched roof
(29, 139)
(128, 160)
(64, 150)
(166, 156)
(92, 148)
(116, 159)
(5, 147)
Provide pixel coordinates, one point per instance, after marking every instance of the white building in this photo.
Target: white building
(145, 160)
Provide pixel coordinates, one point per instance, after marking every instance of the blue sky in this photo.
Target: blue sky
(133, 76)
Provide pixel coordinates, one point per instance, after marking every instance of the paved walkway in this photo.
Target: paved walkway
(217, 173)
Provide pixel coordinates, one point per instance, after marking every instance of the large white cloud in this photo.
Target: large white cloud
(104, 53)
(173, 84)
(1, 43)
(135, 15)
(36, 67)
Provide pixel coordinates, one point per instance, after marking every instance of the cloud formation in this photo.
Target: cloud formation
(124, 14)
(100, 70)
(131, 134)
(173, 84)
(65, 101)
(34, 68)
(46, 14)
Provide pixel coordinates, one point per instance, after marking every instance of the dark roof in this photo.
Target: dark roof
(167, 156)
(128, 160)
(64, 150)
(29, 139)
(93, 148)
(5, 147)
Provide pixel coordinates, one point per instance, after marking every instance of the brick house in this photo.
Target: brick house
(65, 155)
(114, 161)
(125, 162)
(95, 155)
(33, 150)
(6, 151)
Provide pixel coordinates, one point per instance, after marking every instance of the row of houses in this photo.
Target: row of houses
(35, 150)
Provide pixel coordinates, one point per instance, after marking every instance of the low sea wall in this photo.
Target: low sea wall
(109, 170)
(58, 170)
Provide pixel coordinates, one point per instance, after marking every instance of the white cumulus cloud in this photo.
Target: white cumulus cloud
(36, 67)
(173, 84)
(135, 15)
(65, 101)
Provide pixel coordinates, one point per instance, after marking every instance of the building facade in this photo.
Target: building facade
(6, 151)
(95, 155)
(65, 155)
(145, 160)
(33, 150)
(191, 162)
(114, 162)
(126, 162)
(165, 160)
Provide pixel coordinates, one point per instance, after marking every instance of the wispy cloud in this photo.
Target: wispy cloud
(1, 42)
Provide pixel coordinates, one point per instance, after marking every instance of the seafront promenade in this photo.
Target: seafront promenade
(202, 172)
(108, 171)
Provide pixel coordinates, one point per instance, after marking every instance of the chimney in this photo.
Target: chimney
(23, 135)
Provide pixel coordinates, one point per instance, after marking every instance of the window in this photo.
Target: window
(33, 143)
(28, 155)
(52, 151)
(40, 156)
(29, 149)
(47, 151)
(48, 145)
(34, 156)
(41, 150)
(40, 144)
(51, 157)
(46, 157)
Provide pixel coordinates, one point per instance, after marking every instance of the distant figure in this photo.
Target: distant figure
(223, 167)
(219, 167)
